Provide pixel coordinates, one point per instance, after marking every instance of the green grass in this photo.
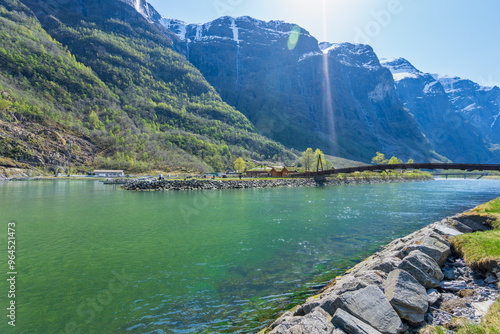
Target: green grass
(481, 250)
(492, 210)
(489, 325)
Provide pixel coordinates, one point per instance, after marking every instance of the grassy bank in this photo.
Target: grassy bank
(481, 251)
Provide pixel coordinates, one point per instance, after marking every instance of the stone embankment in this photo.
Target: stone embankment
(412, 282)
(165, 185)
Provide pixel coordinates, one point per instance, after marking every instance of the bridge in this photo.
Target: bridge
(376, 168)
(465, 174)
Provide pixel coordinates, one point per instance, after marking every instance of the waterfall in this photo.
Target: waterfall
(138, 7)
(236, 38)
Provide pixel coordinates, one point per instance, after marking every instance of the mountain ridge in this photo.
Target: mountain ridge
(449, 132)
(155, 110)
(209, 92)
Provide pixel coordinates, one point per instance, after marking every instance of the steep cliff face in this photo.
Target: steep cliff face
(301, 93)
(449, 132)
(144, 8)
(477, 104)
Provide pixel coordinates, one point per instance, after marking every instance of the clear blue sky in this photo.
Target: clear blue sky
(454, 37)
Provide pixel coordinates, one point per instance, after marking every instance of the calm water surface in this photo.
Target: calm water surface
(96, 259)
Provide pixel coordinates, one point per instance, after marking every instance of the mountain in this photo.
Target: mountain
(451, 134)
(300, 93)
(477, 104)
(106, 79)
(114, 84)
(145, 9)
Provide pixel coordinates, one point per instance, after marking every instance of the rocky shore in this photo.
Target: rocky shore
(7, 174)
(167, 185)
(414, 281)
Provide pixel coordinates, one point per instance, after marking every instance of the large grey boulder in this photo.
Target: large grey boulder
(351, 324)
(316, 322)
(448, 230)
(370, 306)
(453, 223)
(434, 246)
(308, 306)
(407, 296)
(387, 264)
(423, 268)
(359, 280)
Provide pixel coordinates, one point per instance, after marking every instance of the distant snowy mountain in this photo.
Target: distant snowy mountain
(478, 104)
(450, 134)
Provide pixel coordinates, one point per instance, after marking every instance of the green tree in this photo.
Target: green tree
(249, 165)
(395, 161)
(94, 120)
(410, 161)
(239, 165)
(307, 159)
(380, 159)
(217, 163)
(327, 164)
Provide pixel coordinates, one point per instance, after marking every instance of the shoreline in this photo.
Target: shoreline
(414, 281)
(196, 185)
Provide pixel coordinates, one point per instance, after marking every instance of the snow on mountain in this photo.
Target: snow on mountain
(479, 104)
(401, 68)
(178, 27)
(352, 55)
(424, 95)
(227, 27)
(144, 8)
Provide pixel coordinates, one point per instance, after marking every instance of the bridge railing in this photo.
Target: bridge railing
(431, 166)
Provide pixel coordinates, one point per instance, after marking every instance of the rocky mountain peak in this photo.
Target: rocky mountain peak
(144, 8)
(352, 55)
(401, 68)
(238, 29)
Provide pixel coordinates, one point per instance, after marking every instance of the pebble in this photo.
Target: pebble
(473, 305)
(453, 285)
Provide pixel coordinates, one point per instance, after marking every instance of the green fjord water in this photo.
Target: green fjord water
(96, 259)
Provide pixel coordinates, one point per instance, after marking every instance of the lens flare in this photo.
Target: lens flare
(294, 37)
(329, 128)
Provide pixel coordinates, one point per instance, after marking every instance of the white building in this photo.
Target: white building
(109, 173)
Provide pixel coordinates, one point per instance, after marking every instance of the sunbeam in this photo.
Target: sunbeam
(327, 91)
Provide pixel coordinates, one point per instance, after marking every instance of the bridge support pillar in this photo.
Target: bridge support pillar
(320, 178)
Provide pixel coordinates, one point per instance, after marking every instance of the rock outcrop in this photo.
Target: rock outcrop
(412, 282)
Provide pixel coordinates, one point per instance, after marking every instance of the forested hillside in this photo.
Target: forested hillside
(96, 84)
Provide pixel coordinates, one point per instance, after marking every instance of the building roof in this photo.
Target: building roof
(260, 169)
(280, 168)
